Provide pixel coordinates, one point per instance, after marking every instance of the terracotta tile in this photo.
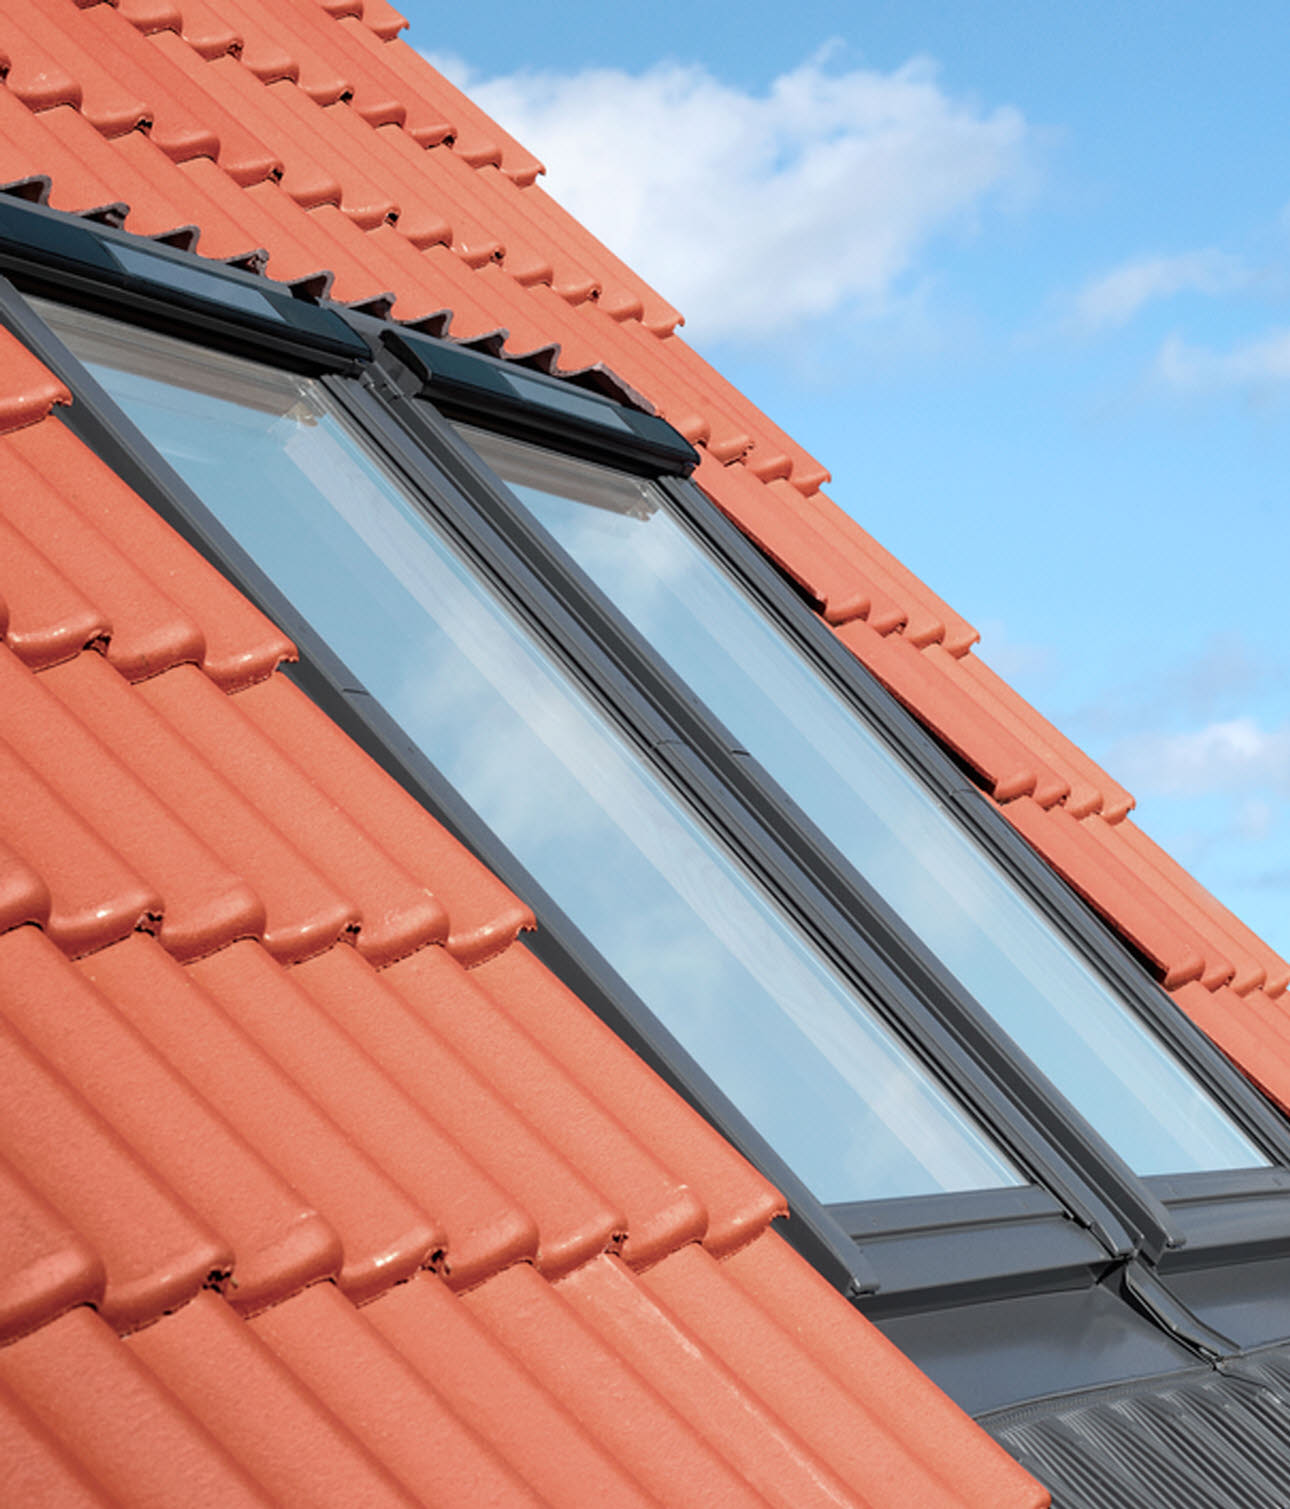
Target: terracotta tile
(163, 194)
(930, 620)
(739, 1201)
(1256, 966)
(1051, 786)
(484, 916)
(49, 618)
(1090, 788)
(382, 19)
(145, 631)
(241, 645)
(31, 144)
(372, 96)
(151, 16)
(1074, 852)
(477, 139)
(154, 1250)
(268, 37)
(279, 1243)
(684, 1365)
(128, 1434)
(24, 896)
(489, 1392)
(792, 1301)
(796, 547)
(667, 1453)
(1246, 1028)
(35, 40)
(206, 905)
(395, 915)
(663, 1210)
(27, 390)
(243, 153)
(391, 1409)
(384, 1237)
(483, 1228)
(303, 913)
(34, 1469)
(172, 126)
(46, 1267)
(574, 1221)
(265, 1419)
(1007, 767)
(93, 896)
(206, 32)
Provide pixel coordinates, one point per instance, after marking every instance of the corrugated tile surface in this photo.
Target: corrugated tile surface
(233, 903)
(317, 1187)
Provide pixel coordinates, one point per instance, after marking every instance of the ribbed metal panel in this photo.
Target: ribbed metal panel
(1217, 1441)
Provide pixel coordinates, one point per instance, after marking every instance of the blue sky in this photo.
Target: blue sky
(1019, 274)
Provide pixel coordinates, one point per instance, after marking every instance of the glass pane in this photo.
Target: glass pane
(811, 1067)
(909, 848)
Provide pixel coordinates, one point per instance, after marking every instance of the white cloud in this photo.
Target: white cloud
(1236, 755)
(752, 212)
(1256, 366)
(1115, 297)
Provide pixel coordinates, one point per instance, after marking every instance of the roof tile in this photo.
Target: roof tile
(122, 1430)
(93, 896)
(242, 154)
(490, 1392)
(206, 905)
(400, 1415)
(265, 1419)
(384, 1237)
(574, 1221)
(484, 1229)
(666, 1452)
(1009, 769)
(24, 896)
(46, 1267)
(28, 390)
(33, 1467)
(739, 1201)
(363, 888)
(145, 630)
(1075, 851)
(1090, 788)
(131, 61)
(484, 916)
(578, 1118)
(49, 619)
(693, 1375)
(156, 1253)
(241, 646)
(279, 1243)
(931, 1428)
(56, 49)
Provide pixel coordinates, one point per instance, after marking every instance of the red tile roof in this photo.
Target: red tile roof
(317, 1186)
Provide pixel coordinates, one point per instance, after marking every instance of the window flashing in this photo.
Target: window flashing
(50, 252)
(552, 411)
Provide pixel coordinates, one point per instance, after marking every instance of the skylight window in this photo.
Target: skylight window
(805, 1058)
(916, 857)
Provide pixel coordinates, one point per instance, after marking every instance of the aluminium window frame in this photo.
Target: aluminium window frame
(380, 401)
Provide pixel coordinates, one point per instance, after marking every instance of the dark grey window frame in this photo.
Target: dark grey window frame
(1088, 1222)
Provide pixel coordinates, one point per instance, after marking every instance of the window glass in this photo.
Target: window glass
(808, 1063)
(900, 838)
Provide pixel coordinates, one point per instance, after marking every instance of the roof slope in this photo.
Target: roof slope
(320, 1189)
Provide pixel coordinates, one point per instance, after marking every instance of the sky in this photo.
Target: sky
(1019, 275)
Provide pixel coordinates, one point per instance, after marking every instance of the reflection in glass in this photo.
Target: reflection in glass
(905, 844)
(810, 1066)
